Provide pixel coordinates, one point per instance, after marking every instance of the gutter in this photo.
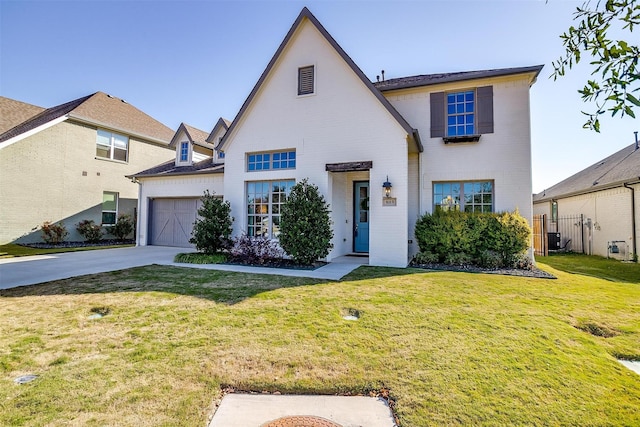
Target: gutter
(633, 218)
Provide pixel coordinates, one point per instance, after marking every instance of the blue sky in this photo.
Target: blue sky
(195, 61)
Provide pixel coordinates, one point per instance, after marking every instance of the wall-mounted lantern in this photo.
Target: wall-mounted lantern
(387, 187)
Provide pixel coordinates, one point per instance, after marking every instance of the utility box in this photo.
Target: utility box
(553, 241)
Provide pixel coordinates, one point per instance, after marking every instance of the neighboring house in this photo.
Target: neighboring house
(453, 141)
(602, 203)
(170, 193)
(68, 163)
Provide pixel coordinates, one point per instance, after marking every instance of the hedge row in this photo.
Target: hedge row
(484, 239)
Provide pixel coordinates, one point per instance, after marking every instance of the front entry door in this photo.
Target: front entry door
(361, 216)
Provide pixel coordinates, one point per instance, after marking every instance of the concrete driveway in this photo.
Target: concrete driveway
(29, 270)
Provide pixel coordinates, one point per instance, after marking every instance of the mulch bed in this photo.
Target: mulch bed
(108, 242)
(534, 272)
(273, 263)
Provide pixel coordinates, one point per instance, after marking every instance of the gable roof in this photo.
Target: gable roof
(195, 135)
(222, 123)
(305, 14)
(101, 110)
(613, 171)
(13, 112)
(433, 79)
(169, 168)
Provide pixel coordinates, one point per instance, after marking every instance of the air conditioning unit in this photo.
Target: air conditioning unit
(554, 241)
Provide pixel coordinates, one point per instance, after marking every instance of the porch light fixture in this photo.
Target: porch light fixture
(387, 187)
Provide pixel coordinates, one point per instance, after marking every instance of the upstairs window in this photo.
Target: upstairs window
(184, 151)
(306, 80)
(112, 146)
(462, 116)
(461, 113)
(269, 161)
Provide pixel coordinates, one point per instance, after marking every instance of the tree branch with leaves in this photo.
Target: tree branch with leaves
(615, 62)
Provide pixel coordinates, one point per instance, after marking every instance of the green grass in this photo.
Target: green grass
(13, 250)
(608, 269)
(200, 258)
(452, 348)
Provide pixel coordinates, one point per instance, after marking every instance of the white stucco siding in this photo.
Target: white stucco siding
(341, 122)
(188, 186)
(414, 201)
(610, 214)
(503, 156)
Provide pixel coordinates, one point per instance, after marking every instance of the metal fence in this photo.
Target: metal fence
(564, 234)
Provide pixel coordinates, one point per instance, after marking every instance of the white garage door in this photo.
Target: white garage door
(172, 221)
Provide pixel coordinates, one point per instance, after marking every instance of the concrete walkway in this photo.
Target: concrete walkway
(30, 270)
(255, 410)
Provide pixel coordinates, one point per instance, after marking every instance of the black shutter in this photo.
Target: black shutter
(485, 109)
(437, 115)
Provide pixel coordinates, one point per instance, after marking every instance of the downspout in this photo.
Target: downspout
(633, 209)
(633, 221)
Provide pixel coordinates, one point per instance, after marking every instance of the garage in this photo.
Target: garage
(171, 221)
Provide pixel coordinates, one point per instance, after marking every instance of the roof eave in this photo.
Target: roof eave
(306, 13)
(595, 189)
(98, 123)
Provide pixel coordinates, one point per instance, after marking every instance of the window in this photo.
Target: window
(474, 196)
(112, 145)
(221, 154)
(184, 151)
(306, 80)
(554, 211)
(264, 201)
(109, 208)
(268, 161)
(462, 116)
(460, 113)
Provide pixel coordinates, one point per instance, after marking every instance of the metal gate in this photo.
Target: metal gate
(573, 231)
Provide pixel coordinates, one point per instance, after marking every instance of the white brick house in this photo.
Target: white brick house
(461, 140)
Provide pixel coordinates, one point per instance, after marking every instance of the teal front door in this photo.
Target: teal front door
(361, 216)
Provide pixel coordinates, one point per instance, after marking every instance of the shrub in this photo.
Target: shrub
(212, 228)
(53, 233)
(458, 258)
(256, 250)
(123, 227)
(89, 230)
(426, 258)
(305, 226)
(487, 239)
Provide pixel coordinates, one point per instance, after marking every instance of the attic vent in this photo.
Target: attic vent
(305, 80)
(109, 96)
(123, 101)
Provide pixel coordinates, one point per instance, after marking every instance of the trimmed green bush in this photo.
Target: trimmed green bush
(489, 240)
(305, 226)
(212, 230)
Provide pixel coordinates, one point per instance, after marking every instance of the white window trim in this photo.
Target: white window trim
(179, 160)
(109, 211)
(112, 146)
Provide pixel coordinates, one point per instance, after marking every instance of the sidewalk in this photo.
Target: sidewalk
(30, 270)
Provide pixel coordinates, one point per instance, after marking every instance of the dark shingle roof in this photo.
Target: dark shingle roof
(13, 112)
(618, 168)
(205, 166)
(432, 79)
(102, 110)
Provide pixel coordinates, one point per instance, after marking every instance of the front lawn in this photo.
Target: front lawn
(590, 265)
(452, 348)
(11, 250)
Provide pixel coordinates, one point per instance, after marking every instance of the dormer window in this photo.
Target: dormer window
(184, 151)
(306, 80)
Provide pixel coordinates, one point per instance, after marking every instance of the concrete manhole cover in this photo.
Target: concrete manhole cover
(301, 421)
